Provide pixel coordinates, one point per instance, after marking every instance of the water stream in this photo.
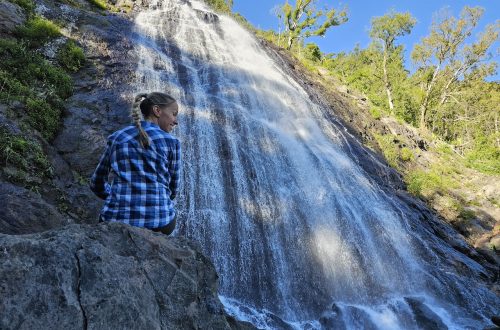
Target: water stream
(300, 235)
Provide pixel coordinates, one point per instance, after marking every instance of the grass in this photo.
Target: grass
(71, 57)
(23, 159)
(27, 77)
(38, 30)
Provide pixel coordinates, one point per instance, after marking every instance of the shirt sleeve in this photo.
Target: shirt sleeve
(174, 169)
(99, 180)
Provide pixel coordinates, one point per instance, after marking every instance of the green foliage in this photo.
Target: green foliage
(312, 52)
(406, 154)
(101, 4)
(71, 57)
(27, 77)
(389, 148)
(485, 156)
(302, 20)
(43, 117)
(438, 179)
(38, 31)
(27, 5)
(223, 6)
(375, 112)
(23, 160)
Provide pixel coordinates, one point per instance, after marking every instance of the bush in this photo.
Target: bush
(485, 156)
(312, 52)
(25, 156)
(71, 57)
(43, 117)
(375, 112)
(406, 154)
(38, 31)
(27, 77)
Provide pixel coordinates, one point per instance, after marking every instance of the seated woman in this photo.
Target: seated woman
(138, 175)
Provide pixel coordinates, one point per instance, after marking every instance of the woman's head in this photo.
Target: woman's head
(159, 108)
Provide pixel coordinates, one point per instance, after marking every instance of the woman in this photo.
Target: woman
(138, 175)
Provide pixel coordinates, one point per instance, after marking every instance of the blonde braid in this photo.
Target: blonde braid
(136, 116)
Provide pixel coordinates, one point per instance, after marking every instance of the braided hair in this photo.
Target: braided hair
(145, 103)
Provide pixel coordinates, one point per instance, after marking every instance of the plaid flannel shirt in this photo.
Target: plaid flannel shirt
(139, 184)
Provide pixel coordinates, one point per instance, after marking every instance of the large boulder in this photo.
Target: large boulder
(107, 276)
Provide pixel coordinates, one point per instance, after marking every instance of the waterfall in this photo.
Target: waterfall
(300, 235)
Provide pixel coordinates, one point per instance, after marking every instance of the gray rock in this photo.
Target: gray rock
(11, 16)
(25, 212)
(107, 276)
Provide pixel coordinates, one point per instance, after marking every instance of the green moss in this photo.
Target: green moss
(38, 30)
(71, 57)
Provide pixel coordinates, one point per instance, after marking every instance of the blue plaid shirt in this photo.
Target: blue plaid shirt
(139, 184)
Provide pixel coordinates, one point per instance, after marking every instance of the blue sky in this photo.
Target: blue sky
(355, 31)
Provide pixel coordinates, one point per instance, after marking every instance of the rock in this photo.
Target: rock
(424, 316)
(24, 212)
(11, 16)
(107, 276)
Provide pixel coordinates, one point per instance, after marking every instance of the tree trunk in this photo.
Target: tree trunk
(425, 104)
(387, 84)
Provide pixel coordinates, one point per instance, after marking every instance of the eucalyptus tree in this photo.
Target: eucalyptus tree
(303, 19)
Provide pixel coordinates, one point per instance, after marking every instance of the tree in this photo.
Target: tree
(386, 29)
(302, 20)
(442, 58)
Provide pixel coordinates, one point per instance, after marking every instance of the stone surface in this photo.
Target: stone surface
(25, 212)
(107, 276)
(11, 16)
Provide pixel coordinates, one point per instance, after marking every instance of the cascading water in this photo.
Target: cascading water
(299, 234)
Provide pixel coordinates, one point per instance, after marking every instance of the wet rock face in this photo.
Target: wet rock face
(107, 276)
(11, 16)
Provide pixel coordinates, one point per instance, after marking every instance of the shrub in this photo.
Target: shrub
(71, 57)
(389, 148)
(43, 117)
(25, 156)
(375, 112)
(312, 52)
(406, 154)
(38, 31)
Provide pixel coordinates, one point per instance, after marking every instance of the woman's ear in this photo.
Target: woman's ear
(156, 111)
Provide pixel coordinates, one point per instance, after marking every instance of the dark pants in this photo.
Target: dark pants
(167, 230)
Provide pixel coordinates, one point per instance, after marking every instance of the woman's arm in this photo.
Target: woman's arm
(174, 168)
(99, 180)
